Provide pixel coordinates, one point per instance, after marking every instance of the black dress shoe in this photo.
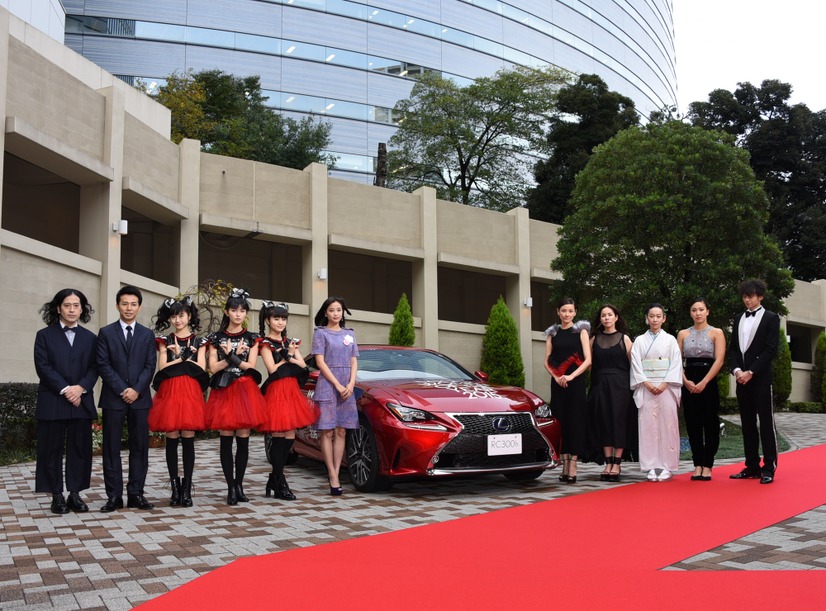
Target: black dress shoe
(76, 504)
(112, 504)
(745, 474)
(767, 478)
(59, 504)
(138, 501)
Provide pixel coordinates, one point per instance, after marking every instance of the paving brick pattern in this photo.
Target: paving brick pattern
(117, 560)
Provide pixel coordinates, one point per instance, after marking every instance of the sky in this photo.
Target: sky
(720, 43)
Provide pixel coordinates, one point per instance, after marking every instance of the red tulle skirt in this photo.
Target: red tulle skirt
(286, 408)
(178, 406)
(238, 406)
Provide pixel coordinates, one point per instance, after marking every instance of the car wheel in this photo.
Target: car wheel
(363, 459)
(524, 476)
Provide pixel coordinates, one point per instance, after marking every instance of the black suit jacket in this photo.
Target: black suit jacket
(60, 364)
(757, 358)
(120, 369)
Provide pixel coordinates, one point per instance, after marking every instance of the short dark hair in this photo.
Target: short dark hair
(699, 300)
(321, 319)
(752, 287)
(51, 309)
(651, 306)
(129, 290)
(566, 301)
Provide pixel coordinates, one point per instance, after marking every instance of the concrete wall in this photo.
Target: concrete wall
(98, 151)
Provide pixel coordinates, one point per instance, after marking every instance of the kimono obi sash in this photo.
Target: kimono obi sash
(656, 369)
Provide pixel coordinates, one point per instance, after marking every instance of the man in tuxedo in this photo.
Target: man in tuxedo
(126, 362)
(64, 358)
(753, 346)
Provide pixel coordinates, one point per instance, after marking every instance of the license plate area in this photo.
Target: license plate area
(499, 445)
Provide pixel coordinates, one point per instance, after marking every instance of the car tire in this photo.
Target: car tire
(363, 459)
(524, 476)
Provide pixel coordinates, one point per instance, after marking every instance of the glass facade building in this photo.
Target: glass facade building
(350, 61)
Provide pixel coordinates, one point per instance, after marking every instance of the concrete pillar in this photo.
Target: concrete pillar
(425, 302)
(100, 208)
(519, 289)
(190, 196)
(4, 88)
(315, 256)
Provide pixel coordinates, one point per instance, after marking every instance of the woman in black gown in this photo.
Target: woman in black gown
(567, 358)
(609, 400)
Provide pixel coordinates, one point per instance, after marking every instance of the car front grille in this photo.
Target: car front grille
(468, 450)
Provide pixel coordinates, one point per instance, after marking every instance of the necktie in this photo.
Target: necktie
(128, 338)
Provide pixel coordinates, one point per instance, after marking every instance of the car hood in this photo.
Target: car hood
(451, 395)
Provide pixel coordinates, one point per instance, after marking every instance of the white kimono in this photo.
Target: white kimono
(657, 359)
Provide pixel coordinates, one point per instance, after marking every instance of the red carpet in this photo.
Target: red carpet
(546, 555)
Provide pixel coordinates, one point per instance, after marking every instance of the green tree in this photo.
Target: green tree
(473, 143)
(402, 332)
(587, 114)
(501, 357)
(782, 372)
(666, 213)
(228, 114)
(787, 144)
(818, 379)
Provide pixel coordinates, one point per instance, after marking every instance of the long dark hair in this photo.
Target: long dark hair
(270, 309)
(171, 307)
(238, 298)
(321, 319)
(50, 311)
(620, 326)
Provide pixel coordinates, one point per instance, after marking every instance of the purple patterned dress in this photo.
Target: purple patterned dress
(337, 348)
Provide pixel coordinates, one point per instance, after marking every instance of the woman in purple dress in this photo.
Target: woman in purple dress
(336, 356)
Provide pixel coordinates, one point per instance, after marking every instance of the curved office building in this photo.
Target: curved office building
(351, 61)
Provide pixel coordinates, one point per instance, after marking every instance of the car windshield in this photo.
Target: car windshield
(408, 365)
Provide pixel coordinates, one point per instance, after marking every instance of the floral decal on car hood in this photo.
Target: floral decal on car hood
(472, 390)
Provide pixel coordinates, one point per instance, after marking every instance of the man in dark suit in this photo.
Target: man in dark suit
(64, 358)
(753, 346)
(126, 362)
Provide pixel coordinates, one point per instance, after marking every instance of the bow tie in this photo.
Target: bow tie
(67, 329)
(753, 313)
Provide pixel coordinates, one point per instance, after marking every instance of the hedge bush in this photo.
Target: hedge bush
(501, 357)
(782, 372)
(18, 428)
(807, 407)
(402, 332)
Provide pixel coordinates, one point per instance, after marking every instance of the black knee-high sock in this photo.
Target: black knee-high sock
(272, 455)
(277, 456)
(172, 457)
(188, 451)
(226, 458)
(242, 455)
(288, 445)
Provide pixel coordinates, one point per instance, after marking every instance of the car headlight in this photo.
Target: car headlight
(543, 411)
(415, 418)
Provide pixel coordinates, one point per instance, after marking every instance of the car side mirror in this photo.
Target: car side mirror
(481, 375)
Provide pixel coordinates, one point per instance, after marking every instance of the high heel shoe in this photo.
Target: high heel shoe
(615, 477)
(572, 478)
(566, 464)
(335, 490)
(605, 476)
(284, 492)
(232, 496)
(239, 493)
(270, 485)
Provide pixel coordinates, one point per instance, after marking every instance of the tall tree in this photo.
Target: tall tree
(787, 144)
(473, 144)
(229, 116)
(667, 213)
(587, 114)
(501, 358)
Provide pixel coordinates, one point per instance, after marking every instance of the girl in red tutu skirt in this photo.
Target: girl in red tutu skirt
(235, 404)
(286, 408)
(178, 405)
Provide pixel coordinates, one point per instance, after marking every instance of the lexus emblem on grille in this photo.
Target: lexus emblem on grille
(501, 425)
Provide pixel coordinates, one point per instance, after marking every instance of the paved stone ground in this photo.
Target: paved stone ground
(117, 560)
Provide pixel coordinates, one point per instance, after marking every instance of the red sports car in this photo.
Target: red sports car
(423, 414)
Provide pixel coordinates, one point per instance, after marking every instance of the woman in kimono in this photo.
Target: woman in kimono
(657, 379)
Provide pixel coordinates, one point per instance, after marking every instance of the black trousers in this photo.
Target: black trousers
(138, 426)
(755, 403)
(701, 421)
(53, 437)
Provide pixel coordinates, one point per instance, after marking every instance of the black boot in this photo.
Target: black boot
(271, 485)
(232, 498)
(284, 492)
(175, 496)
(186, 492)
(239, 492)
